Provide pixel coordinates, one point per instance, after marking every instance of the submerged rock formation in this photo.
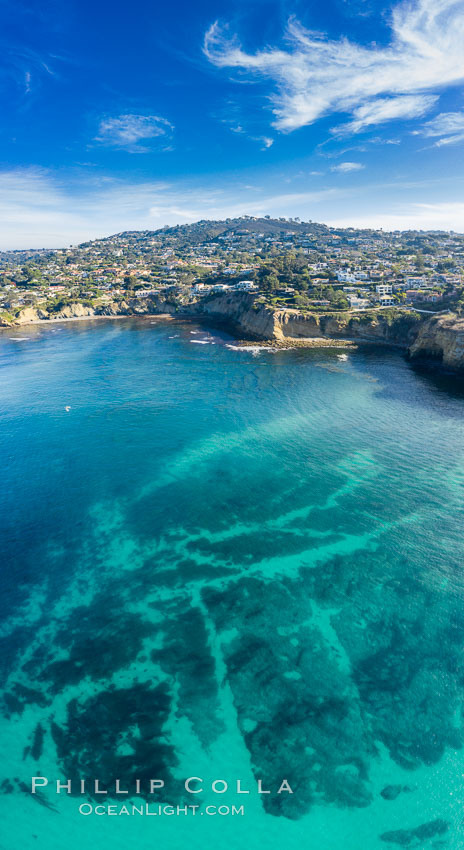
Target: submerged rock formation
(416, 836)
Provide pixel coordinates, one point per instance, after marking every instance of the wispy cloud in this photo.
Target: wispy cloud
(127, 131)
(27, 69)
(413, 216)
(316, 76)
(266, 141)
(346, 167)
(38, 209)
(387, 109)
(232, 115)
(449, 126)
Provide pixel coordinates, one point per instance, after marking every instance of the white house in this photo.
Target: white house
(244, 285)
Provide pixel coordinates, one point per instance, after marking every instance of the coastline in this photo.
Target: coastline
(89, 318)
(282, 344)
(438, 341)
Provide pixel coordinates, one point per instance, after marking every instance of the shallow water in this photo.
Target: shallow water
(233, 565)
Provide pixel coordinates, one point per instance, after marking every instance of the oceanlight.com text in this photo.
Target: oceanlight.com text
(155, 810)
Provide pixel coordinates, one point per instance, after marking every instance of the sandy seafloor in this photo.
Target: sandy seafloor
(230, 564)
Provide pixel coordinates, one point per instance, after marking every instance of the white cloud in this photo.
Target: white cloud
(448, 125)
(317, 76)
(387, 109)
(439, 216)
(38, 210)
(346, 167)
(126, 131)
(266, 141)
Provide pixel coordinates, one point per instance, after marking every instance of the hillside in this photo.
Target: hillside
(291, 264)
(206, 232)
(202, 232)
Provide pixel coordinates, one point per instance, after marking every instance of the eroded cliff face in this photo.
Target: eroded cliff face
(29, 314)
(255, 319)
(248, 316)
(398, 331)
(124, 307)
(243, 312)
(441, 338)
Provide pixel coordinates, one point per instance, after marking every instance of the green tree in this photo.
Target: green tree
(419, 261)
(129, 281)
(269, 282)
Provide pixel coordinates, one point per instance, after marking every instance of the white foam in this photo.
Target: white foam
(255, 350)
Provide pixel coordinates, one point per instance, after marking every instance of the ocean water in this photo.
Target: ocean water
(229, 564)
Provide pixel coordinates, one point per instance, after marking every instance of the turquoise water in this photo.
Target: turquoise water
(232, 565)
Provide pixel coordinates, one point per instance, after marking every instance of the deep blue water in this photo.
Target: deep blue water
(230, 564)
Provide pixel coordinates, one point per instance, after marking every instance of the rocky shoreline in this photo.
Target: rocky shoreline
(439, 339)
(290, 342)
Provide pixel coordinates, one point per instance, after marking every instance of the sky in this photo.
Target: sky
(120, 116)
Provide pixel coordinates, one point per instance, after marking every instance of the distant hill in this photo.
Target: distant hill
(207, 231)
(204, 231)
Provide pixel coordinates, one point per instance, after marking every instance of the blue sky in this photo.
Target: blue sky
(125, 116)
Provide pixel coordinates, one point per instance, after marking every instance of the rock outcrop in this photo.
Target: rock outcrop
(124, 307)
(242, 312)
(378, 327)
(248, 316)
(263, 322)
(441, 338)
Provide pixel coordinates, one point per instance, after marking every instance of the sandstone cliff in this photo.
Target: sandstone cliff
(124, 307)
(242, 312)
(247, 315)
(441, 338)
(262, 322)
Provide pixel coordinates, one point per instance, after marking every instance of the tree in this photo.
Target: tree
(129, 281)
(269, 282)
(339, 300)
(419, 261)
